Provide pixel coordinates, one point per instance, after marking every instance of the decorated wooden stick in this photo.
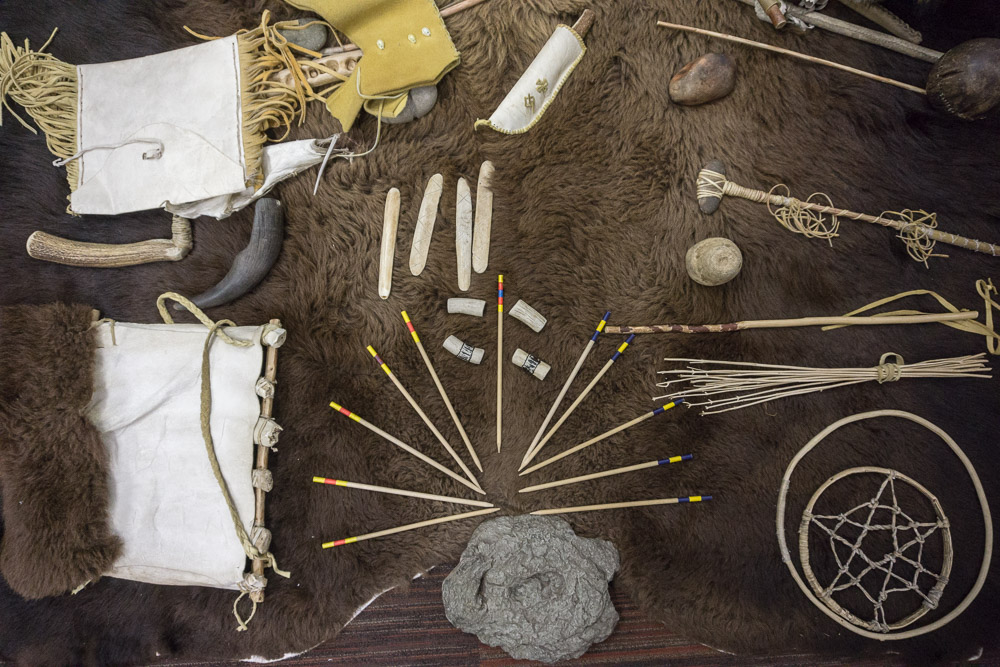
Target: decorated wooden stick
(474, 307)
(463, 234)
(847, 320)
(464, 351)
(531, 317)
(917, 229)
(400, 492)
(606, 473)
(579, 399)
(484, 219)
(616, 506)
(425, 224)
(409, 526)
(604, 436)
(390, 223)
(565, 387)
(405, 447)
(423, 416)
(530, 364)
(499, 356)
(440, 388)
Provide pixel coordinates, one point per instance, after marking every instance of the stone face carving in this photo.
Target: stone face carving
(531, 586)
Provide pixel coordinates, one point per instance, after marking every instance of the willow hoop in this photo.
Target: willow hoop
(984, 506)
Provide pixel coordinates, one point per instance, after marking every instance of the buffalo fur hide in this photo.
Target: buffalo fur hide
(593, 210)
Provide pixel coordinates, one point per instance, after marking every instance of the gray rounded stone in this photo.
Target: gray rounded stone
(531, 586)
(418, 103)
(313, 38)
(706, 79)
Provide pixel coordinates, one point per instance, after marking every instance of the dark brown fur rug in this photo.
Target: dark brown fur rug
(594, 210)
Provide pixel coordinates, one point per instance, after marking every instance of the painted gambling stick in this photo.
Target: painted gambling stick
(440, 388)
(579, 399)
(409, 526)
(607, 473)
(565, 387)
(499, 355)
(603, 436)
(405, 447)
(400, 492)
(616, 506)
(423, 416)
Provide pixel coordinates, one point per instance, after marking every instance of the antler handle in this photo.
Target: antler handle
(50, 248)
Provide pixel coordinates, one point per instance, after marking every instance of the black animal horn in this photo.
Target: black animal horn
(253, 262)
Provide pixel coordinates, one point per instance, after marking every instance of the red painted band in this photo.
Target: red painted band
(345, 411)
(409, 325)
(337, 543)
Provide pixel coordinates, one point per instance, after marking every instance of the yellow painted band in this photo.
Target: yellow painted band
(319, 480)
(622, 348)
(355, 417)
(335, 406)
(694, 499)
(415, 336)
(406, 318)
(386, 369)
(349, 540)
(600, 327)
(499, 307)
(328, 545)
(500, 278)
(341, 482)
(372, 351)
(669, 405)
(675, 459)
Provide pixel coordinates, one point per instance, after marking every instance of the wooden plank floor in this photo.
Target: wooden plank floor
(410, 628)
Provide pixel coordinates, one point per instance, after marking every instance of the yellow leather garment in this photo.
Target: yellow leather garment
(405, 45)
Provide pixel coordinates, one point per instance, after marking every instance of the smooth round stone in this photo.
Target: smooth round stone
(713, 261)
(966, 81)
(706, 79)
(420, 101)
(313, 38)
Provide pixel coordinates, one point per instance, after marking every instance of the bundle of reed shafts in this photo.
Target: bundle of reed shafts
(734, 385)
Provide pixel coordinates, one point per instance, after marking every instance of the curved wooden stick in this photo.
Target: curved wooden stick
(51, 248)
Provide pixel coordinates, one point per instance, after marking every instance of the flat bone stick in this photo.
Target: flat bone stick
(499, 355)
(423, 416)
(713, 184)
(425, 224)
(409, 526)
(860, 33)
(579, 399)
(604, 473)
(440, 388)
(794, 54)
(390, 223)
(400, 492)
(616, 506)
(405, 447)
(565, 387)
(463, 234)
(604, 436)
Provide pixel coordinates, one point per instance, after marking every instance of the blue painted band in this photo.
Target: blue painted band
(687, 457)
(629, 339)
(706, 497)
(684, 500)
(594, 337)
(658, 411)
(615, 358)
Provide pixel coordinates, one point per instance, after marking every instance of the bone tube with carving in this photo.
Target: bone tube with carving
(531, 317)
(530, 364)
(474, 307)
(464, 351)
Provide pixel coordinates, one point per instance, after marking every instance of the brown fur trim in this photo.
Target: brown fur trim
(53, 466)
